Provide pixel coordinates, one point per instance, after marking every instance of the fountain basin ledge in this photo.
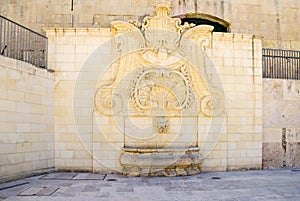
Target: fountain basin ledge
(161, 161)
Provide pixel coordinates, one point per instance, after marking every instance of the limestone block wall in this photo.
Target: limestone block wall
(281, 123)
(68, 50)
(235, 142)
(26, 119)
(278, 21)
(237, 59)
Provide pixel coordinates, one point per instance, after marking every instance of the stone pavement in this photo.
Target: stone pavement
(220, 186)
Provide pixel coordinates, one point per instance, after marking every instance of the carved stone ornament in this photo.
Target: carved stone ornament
(162, 88)
(146, 33)
(107, 103)
(211, 105)
(161, 124)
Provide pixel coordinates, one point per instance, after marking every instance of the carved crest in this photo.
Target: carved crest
(162, 88)
(167, 38)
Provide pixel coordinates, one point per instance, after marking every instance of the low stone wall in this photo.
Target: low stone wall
(281, 123)
(26, 119)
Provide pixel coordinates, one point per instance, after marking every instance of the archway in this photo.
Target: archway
(219, 24)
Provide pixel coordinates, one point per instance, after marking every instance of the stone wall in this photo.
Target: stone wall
(26, 119)
(229, 143)
(281, 123)
(278, 21)
(238, 60)
(68, 50)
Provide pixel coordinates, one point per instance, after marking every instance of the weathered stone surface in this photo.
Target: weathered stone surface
(41, 191)
(160, 162)
(281, 123)
(277, 156)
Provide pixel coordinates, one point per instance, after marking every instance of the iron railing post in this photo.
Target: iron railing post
(1, 30)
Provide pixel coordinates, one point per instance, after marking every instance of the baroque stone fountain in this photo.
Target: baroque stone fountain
(156, 93)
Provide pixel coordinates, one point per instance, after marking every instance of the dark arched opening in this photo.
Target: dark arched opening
(219, 25)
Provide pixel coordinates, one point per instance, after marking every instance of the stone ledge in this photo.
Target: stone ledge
(21, 66)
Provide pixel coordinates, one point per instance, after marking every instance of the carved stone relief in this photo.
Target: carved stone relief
(161, 124)
(211, 105)
(162, 88)
(107, 103)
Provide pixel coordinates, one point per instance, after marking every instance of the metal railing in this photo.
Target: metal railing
(281, 64)
(19, 42)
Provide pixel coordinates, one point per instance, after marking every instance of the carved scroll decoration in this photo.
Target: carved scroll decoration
(107, 103)
(211, 105)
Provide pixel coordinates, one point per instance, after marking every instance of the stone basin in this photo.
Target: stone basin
(161, 162)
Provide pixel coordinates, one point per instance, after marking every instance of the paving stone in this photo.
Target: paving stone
(103, 194)
(60, 176)
(124, 189)
(30, 191)
(268, 185)
(43, 191)
(86, 194)
(63, 194)
(47, 191)
(88, 176)
(90, 188)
